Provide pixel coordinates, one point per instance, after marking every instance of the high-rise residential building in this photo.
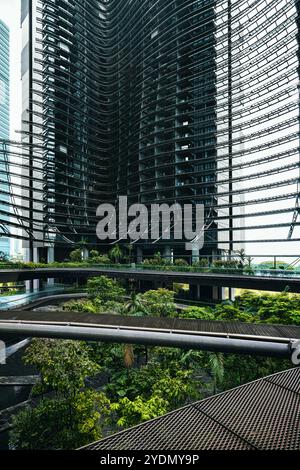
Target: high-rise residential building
(161, 102)
(120, 98)
(65, 123)
(4, 135)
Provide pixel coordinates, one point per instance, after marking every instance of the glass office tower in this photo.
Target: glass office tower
(4, 134)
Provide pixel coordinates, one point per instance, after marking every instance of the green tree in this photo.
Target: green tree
(151, 392)
(116, 254)
(248, 301)
(105, 289)
(132, 412)
(175, 359)
(129, 248)
(216, 368)
(201, 313)
(135, 305)
(242, 257)
(231, 313)
(177, 389)
(275, 264)
(74, 415)
(240, 369)
(281, 308)
(134, 382)
(159, 303)
(63, 364)
(58, 423)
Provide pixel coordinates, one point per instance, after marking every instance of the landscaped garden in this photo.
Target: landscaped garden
(122, 258)
(89, 390)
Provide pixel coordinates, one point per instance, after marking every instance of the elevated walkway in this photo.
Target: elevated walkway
(231, 337)
(270, 282)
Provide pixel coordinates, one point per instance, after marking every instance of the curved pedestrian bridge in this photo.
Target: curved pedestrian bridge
(271, 282)
(231, 337)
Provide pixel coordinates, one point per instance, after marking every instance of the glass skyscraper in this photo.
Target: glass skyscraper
(4, 134)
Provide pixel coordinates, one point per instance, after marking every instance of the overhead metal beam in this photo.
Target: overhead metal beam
(153, 338)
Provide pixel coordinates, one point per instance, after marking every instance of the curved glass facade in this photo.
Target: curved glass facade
(4, 81)
(182, 101)
(164, 94)
(4, 134)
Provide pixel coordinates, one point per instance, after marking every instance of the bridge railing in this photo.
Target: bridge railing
(268, 269)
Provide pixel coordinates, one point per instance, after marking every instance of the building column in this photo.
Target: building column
(50, 259)
(231, 294)
(195, 255)
(139, 255)
(36, 259)
(218, 293)
(167, 253)
(28, 284)
(85, 253)
(195, 292)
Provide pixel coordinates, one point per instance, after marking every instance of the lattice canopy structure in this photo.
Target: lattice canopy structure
(260, 415)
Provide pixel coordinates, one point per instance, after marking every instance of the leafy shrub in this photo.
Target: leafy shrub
(278, 308)
(132, 412)
(101, 259)
(4, 258)
(159, 303)
(226, 266)
(105, 289)
(201, 313)
(295, 317)
(180, 262)
(201, 263)
(248, 301)
(76, 255)
(226, 263)
(60, 423)
(32, 265)
(83, 305)
(114, 307)
(231, 313)
(157, 260)
(74, 414)
(94, 254)
(9, 292)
